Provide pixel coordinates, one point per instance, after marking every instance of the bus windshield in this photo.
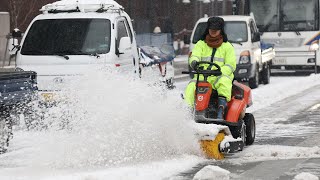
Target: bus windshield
(286, 15)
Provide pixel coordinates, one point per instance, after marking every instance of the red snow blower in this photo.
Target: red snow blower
(236, 122)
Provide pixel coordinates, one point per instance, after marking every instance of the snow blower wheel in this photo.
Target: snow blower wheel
(250, 128)
(212, 148)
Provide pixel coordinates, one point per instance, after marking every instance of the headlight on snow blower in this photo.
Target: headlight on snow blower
(244, 57)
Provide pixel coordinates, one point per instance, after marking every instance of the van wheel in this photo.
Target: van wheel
(254, 81)
(266, 75)
(250, 128)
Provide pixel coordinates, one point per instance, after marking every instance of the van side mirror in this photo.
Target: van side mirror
(16, 33)
(13, 46)
(256, 37)
(13, 41)
(124, 45)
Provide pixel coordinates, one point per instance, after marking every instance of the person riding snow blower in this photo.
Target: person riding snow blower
(214, 46)
(217, 99)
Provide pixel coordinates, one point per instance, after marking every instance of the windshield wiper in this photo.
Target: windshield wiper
(266, 27)
(236, 42)
(94, 54)
(46, 53)
(78, 52)
(86, 53)
(292, 26)
(65, 56)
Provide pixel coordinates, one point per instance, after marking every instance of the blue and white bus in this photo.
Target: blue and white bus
(293, 27)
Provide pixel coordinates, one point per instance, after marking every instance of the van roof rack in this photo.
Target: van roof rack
(82, 6)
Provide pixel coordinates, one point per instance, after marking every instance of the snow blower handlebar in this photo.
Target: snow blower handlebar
(207, 72)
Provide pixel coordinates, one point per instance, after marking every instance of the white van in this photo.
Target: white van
(71, 35)
(253, 60)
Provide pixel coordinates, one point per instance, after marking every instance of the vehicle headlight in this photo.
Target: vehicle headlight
(314, 46)
(244, 57)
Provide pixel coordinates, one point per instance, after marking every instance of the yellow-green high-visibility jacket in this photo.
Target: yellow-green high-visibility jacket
(224, 57)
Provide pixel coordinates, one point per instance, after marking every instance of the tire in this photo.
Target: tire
(265, 75)
(250, 128)
(254, 81)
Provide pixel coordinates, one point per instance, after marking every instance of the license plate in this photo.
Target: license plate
(279, 61)
(48, 96)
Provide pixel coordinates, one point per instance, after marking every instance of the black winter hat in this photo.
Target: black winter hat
(216, 23)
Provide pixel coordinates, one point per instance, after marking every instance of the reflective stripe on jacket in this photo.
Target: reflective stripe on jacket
(224, 56)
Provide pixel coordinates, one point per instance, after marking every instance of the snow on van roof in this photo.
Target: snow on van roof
(81, 6)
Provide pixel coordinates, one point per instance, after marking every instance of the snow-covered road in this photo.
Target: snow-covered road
(131, 131)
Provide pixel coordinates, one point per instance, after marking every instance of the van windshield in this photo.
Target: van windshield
(68, 37)
(236, 31)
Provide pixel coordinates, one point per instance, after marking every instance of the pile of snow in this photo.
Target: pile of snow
(212, 173)
(305, 176)
(209, 131)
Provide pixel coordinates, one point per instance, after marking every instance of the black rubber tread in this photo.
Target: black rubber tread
(250, 125)
(265, 75)
(254, 81)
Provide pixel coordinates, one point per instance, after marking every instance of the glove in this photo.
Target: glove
(194, 65)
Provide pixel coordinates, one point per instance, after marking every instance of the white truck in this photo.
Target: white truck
(253, 57)
(70, 36)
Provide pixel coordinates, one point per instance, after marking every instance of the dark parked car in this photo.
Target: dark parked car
(17, 89)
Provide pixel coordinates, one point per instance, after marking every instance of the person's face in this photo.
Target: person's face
(214, 33)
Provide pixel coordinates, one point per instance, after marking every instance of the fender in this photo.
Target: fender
(236, 107)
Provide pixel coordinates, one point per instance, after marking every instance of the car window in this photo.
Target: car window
(121, 31)
(236, 31)
(129, 29)
(252, 29)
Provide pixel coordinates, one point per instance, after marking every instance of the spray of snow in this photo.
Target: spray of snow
(109, 119)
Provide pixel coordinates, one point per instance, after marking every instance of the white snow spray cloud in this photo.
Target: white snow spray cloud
(112, 119)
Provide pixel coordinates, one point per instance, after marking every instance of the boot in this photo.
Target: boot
(222, 105)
